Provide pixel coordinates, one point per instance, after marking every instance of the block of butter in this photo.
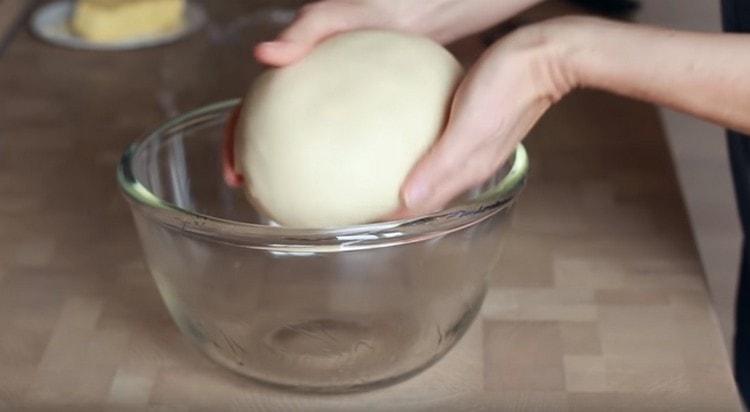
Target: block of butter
(107, 21)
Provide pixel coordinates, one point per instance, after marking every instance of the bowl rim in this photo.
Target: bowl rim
(377, 234)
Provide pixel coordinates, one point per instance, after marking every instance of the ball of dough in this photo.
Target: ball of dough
(328, 141)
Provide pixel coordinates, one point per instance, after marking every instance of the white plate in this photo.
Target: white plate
(51, 22)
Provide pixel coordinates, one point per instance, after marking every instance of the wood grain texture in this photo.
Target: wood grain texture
(599, 302)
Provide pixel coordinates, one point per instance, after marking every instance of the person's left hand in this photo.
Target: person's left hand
(498, 102)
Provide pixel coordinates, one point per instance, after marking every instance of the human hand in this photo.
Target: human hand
(496, 105)
(441, 20)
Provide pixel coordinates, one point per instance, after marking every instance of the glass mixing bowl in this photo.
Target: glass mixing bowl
(328, 310)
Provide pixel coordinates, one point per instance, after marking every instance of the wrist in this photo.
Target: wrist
(586, 49)
(449, 20)
(421, 18)
(549, 51)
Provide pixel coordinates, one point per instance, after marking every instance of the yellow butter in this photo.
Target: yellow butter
(118, 20)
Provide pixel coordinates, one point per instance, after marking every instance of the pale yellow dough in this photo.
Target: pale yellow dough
(118, 20)
(328, 141)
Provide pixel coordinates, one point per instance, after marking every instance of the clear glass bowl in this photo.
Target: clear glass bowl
(328, 310)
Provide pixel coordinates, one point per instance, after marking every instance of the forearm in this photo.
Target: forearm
(448, 20)
(703, 74)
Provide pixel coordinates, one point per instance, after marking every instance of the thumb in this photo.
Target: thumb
(315, 22)
(432, 182)
(450, 170)
(464, 156)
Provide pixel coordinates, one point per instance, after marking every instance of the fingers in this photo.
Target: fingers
(447, 172)
(457, 159)
(280, 53)
(398, 214)
(468, 153)
(482, 132)
(232, 176)
(315, 22)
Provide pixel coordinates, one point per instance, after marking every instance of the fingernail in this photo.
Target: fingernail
(416, 194)
(269, 44)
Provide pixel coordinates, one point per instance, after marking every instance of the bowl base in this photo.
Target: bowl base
(326, 355)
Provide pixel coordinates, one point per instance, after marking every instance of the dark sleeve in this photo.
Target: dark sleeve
(608, 7)
(736, 19)
(736, 16)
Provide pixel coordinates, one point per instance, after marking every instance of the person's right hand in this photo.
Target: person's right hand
(441, 20)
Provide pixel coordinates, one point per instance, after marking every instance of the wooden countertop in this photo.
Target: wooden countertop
(599, 302)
